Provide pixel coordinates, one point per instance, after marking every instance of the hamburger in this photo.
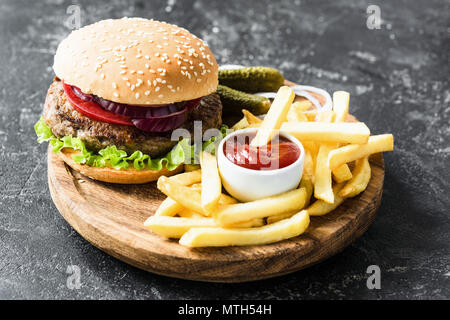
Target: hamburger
(122, 86)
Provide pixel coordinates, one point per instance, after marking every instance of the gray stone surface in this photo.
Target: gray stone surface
(398, 78)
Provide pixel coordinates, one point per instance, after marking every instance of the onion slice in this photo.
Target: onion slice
(163, 123)
(157, 118)
(302, 91)
(328, 102)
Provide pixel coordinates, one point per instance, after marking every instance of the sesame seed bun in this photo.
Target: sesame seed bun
(137, 61)
(111, 175)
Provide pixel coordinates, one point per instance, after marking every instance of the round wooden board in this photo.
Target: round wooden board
(111, 217)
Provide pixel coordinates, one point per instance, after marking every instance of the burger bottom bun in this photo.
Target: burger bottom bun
(111, 175)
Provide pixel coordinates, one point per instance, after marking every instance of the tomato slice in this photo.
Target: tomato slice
(93, 110)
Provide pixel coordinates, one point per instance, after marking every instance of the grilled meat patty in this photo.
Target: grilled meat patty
(64, 120)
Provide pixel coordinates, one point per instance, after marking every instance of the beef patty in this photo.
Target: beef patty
(64, 120)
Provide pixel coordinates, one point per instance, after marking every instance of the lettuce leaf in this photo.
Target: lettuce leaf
(118, 159)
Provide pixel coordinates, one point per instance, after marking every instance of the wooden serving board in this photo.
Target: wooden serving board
(111, 217)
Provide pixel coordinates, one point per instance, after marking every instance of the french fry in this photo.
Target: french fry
(375, 144)
(257, 222)
(211, 183)
(309, 187)
(226, 199)
(322, 177)
(241, 124)
(196, 186)
(360, 180)
(286, 202)
(297, 110)
(250, 117)
(276, 115)
(175, 227)
(187, 178)
(219, 237)
(183, 195)
(341, 100)
(186, 213)
(313, 147)
(308, 166)
(326, 116)
(168, 207)
(302, 106)
(279, 217)
(341, 173)
(320, 207)
(293, 116)
(187, 197)
(341, 132)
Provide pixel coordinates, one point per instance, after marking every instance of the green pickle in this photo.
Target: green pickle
(234, 101)
(252, 79)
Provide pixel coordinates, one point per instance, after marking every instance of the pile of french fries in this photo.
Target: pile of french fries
(199, 214)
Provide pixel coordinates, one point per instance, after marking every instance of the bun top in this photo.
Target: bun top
(137, 61)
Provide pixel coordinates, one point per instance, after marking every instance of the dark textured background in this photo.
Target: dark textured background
(398, 79)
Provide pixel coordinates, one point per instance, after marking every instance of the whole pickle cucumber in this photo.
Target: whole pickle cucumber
(252, 79)
(234, 101)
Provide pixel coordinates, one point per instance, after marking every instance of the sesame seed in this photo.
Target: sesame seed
(116, 94)
(157, 89)
(140, 72)
(160, 96)
(137, 95)
(114, 85)
(147, 93)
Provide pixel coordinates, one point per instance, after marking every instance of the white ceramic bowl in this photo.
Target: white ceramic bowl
(247, 184)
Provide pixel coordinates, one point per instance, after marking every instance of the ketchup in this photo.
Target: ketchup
(278, 153)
